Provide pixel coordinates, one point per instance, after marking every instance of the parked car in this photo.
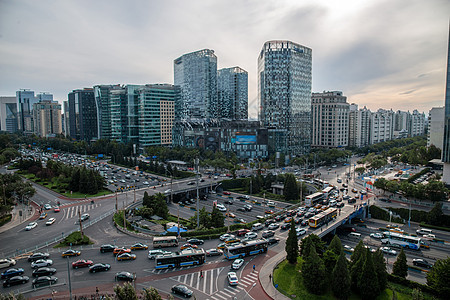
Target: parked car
(124, 276)
(420, 262)
(214, 252)
(348, 248)
(237, 264)
(225, 236)
(12, 272)
(274, 226)
(99, 267)
(196, 241)
(7, 262)
(44, 272)
(251, 235)
(15, 280)
(41, 263)
(37, 256)
(286, 226)
(268, 233)
(44, 280)
(182, 290)
(242, 232)
(232, 278)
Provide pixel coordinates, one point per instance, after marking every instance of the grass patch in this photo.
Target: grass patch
(81, 195)
(5, 219)
(74, 239)
(118, 220)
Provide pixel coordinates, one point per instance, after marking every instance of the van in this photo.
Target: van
(424, 231)
(354, 235)
(257, 226)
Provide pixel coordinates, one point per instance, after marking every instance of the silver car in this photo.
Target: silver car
(41, 263)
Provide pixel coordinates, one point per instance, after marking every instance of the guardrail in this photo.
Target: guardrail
(19, 253)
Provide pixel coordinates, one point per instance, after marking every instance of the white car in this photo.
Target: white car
(47, 206)
(145, 183)
(348, 248)
(226, 236)
(221, 207)
(153, 253)
(251, 235)
(31, 226)
(41, 263)
(7, 262)
(237, 263)
(376, 235)
(84, 217)
(388, 250)
(429, 236)
(50, 221)
(274, 226)
(300, 231)
(232, 278)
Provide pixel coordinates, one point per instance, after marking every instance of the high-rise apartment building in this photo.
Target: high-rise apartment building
(66, 119)
(83, 114)
(47, 118)
(417, 124)
(330, 117)
(196, 75)
(232, 91)
(284, 95)
(436, 127)
(156, 113)
(381, 126)
(8, 114)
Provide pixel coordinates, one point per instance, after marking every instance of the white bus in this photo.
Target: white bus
(326, 191)
(245, 249)
(401, 240)
(164, 241)
(313, 199)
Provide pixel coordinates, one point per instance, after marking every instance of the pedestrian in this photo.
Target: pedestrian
(96, 290)
(201, 273)
(270, 277)
(254, 267)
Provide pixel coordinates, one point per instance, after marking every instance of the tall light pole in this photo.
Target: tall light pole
(196, 182)
(70, 282)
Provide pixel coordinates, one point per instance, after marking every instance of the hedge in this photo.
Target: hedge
(412, 284)
(5, 219)
(74, 239)
(381, 214)
(423, 224)
(417, 175)
(234, 183)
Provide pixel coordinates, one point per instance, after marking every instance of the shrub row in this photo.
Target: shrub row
(381, 214)
(423, 224)
(417, 175)
(412, 284)
(5, 219)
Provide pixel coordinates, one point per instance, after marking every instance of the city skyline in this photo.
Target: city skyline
(381, 54)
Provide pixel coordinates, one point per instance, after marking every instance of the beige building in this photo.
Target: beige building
(167, 117)
(47, 118)
(436, 127)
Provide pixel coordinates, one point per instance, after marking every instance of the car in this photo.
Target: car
(71, 252)
(273, 241)
(139, 246)
(195, 241)
(44, 280)
(228, 201)
(370, 249)
(420, 262)
(12, 272)
(145, 183)
(248, 207)
(120, 250)
(269, 211)
(182, 290)
(385, 200)
(99, 268)
(348, 248)
(237, 264)
(41, 263)
(153, 253)
(15, 280)
(429, 237)
(84, 217)
(221, 207)
(44, 272)
(232, 278)
(251, 235)
(7, 262)
(286, 226)
(47, 206)
(126, 256)
(242, 232)
(124, 276)
(31, 226)
(241, 209)
(270, 203)
(300, 231)
(363, 192)
(388, 250)
(297, 220)
(43, 216)
(376, 235)
(37, 256)
(214, 252)
(288, 220)
(340, 205)
(268, 233)
(274, 226)
(221, 246)
(225, 236)
(232, 240)
(226, 193)
(107, 248)
(50, 221)
(82, 263)
(187, 245)
(354, 190)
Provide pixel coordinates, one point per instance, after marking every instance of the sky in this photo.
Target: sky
(389, 54)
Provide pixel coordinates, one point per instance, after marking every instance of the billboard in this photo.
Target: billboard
(245, 139)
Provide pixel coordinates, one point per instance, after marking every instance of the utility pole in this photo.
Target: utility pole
(116, 201)
(79, 220)
(70, 282)
(134, 195)
(124, 220)
(196, 182)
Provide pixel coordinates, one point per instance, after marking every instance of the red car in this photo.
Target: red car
(56, 209)
(82, 263)
(226, 193)
(186, 246)
(242, 232)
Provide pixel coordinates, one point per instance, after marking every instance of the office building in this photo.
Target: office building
(8, 114)
(435, 134)
(232, 92)
(83, 114)
(102, 94)
(65, 119)
(330, 117)
(25, 100)
(284, 95)
(196, 75)
(47, 118)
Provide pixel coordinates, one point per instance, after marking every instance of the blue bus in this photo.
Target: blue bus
(187, 257)
(245, 249)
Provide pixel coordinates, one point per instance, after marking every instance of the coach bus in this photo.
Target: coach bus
(245, 249)
(164, 241)
(187, 257)
(326, 191)
(313, 199)
(322, 218)
(401, 240)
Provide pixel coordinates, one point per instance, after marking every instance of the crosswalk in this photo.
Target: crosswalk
(72, 211)
(229, 292)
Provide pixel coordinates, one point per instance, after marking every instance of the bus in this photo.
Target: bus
(322, 218)
(321, 183)
(187, 257)
(401, 240)
(313, 199)
(326, 191)
(245, 249)
(164, 241)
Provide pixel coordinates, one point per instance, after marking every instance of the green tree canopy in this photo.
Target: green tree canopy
(400, 267)
(315, 281)
(290, 190)
(340, 278)
(292, 245)
(368, 281)
(439, 277)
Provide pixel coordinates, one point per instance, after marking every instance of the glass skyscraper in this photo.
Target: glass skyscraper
(83, 114)
(232, 89)
(284, 95)
(196, 75)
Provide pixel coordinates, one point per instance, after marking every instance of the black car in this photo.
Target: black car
(286, 226)
(273, 241)
(38, 255)
(309, 215)
(12, 272)
(304, 223)
(15, 280)
(107, 248)
(124, 276)
(298, 220)
(181, 289)
(280, 217)
(99, 267)
(196, 241)
(44, 280)
(44, 272)
(422, 263)
(385, 200)
(230, 202)
(340, 204)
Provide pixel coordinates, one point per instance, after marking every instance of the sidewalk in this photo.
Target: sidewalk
(265, 279)
(17, 219)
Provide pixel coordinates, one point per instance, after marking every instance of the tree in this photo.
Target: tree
(357, 262)
(340, 279)
(151, 294)
(160, 206)
(336, 245)
(314, 269)
(125, 292)
(217, 218)
(292, 245)
(315, 241)
(400, 268)
(329, 259)
(439, 277)
(435, 215)
(417, 294)
(368, 281)
(379, 264)
(290, 190)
